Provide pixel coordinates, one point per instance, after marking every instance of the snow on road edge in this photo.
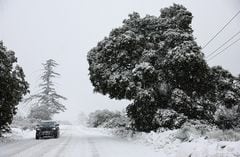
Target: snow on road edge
(196, 146)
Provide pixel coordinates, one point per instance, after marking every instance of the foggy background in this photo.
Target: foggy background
(65, 30)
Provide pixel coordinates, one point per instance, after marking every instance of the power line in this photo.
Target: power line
(224, 49)
(221, 29)
(223, 44)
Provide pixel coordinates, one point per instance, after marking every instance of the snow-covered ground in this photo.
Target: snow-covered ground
(77, 141)
(169, 143)
(17, 134)
(88, 142)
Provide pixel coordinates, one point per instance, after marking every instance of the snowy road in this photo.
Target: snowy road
(77, 141)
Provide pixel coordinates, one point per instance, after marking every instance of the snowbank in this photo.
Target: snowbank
(192, 145)
(209, 148)
(17, 134)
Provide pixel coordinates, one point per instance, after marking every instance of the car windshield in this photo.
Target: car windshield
(47, 123)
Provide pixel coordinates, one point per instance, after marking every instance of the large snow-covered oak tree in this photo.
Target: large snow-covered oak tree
(12, 87)
(156, 62)
(149, 52)
(46, 103)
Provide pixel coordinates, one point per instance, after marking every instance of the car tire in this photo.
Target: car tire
(56, 135)
(37, 137)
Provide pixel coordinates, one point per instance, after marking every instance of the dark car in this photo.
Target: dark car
(47, 129)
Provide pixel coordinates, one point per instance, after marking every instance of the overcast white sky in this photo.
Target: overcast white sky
(65, 30)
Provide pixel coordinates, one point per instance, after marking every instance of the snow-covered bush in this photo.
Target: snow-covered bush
(116, 122)
(107, 119)
(169, 118)
(227, 118)
(124, 132)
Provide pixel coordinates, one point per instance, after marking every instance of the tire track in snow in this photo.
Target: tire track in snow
(64, 146)
(57, 151)
(93, 148)
(20, 147)
(51, 144)
(37, 150)
(25, 146)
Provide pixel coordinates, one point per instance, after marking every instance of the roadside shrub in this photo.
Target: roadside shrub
(116, 122)
(169, 118)
(103, 118)
(124, 132)
(227, 118)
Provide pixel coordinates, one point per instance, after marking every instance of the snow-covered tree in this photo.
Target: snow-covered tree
(47, 102)
(227, 98)
(12, 87)
(146, 59)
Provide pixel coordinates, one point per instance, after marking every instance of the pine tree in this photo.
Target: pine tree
(12, 87)
(46, 103)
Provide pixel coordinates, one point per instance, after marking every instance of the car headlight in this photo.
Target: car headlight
(54, 128)
(38, 129)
